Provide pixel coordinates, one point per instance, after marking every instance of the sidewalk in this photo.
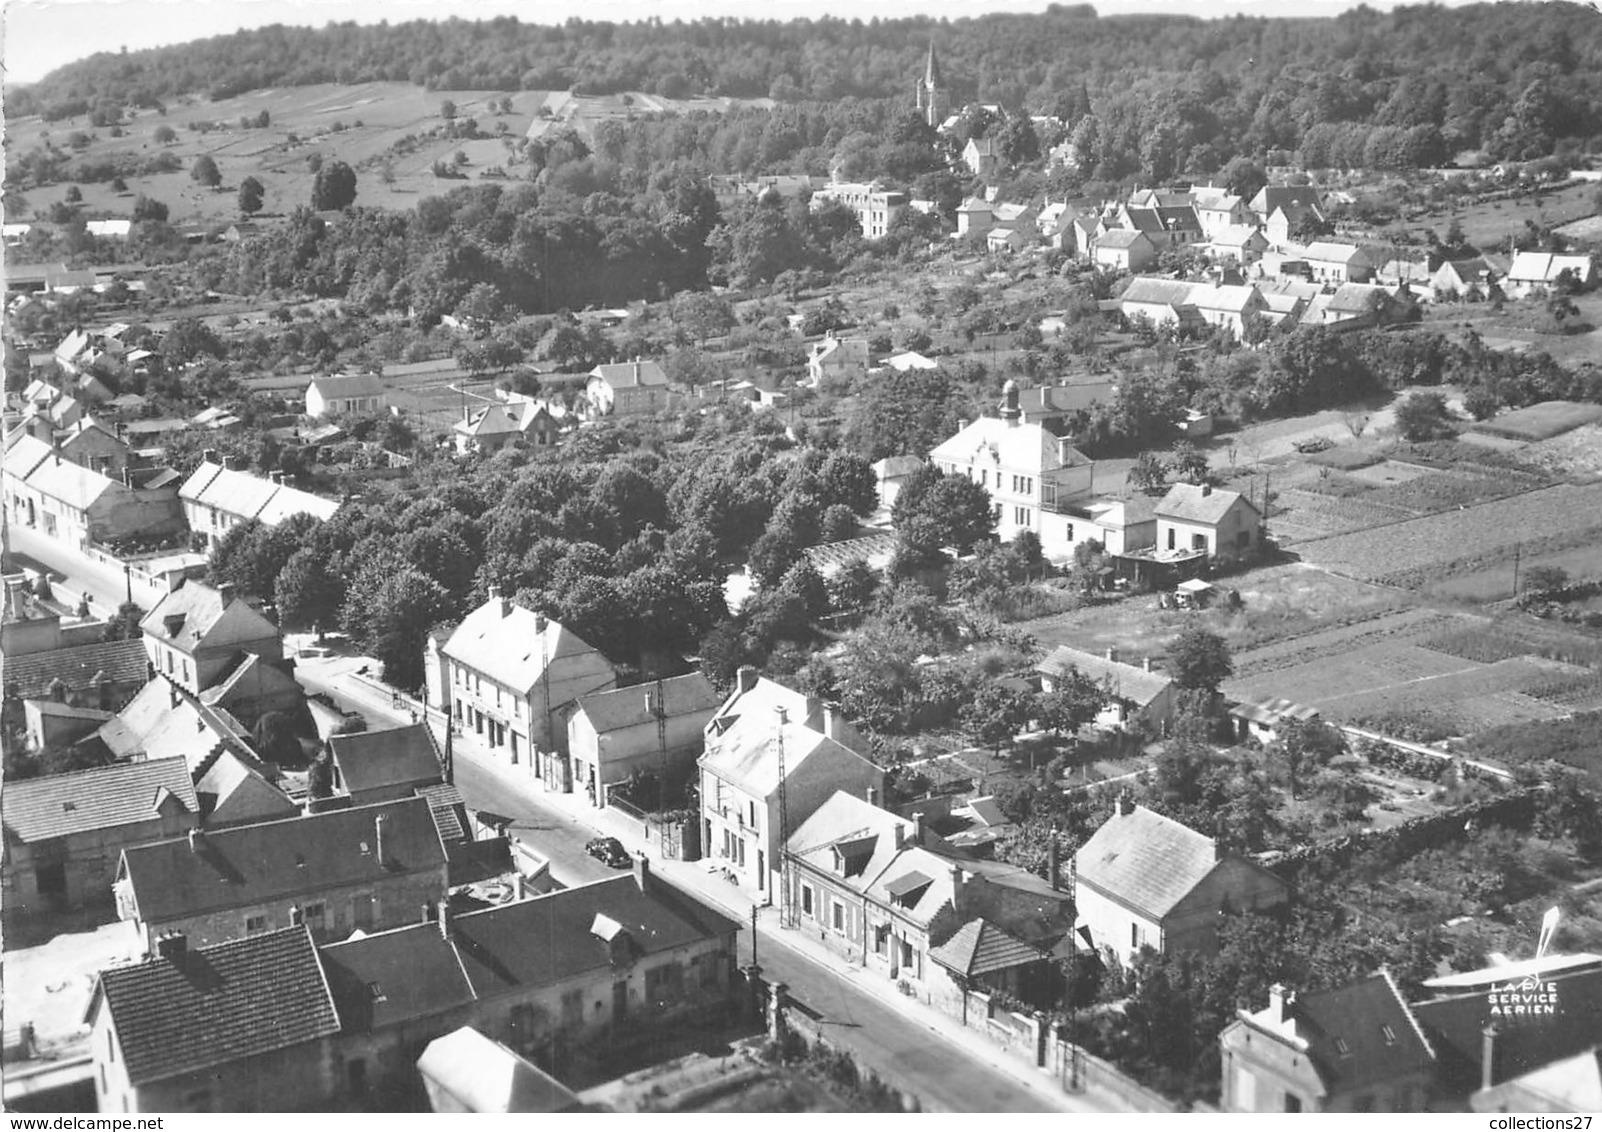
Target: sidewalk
(735, 901)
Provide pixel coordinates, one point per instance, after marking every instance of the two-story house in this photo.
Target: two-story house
(627, 389)
(508, 671)
(64, 833)
(1272, 197)
(764, 736)
(655, 728)
(1228, 307)
(345, 393)
(982, 156)
(1331, 262)
(1221, 524)
(487, 430)
(837, 359)
(1356, 1048)
(196, 634)
(367, 867)
(77, 505)
(1032, 475)
(1144, 880)
(1238, 243)
(246, 1025)
(876, 207)
(1218, 210)
(1123, 249)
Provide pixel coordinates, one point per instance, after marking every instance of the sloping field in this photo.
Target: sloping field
(1434, 542)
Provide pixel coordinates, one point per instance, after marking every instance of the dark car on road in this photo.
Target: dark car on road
(610, 851)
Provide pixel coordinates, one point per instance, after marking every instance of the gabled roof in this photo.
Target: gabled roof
(200, 608)
(492, 420)
(1020, 446)
(342, 385)
(1121, 238)
(1324, 251)
(1238, 235)
(229, 1003)
(1234, 299)
(24, 453)
(287, 501)
(865, 834)
(1544, 267)
(389, 978)
(1271, 197)
(495, 943)
(481, 1075)
(226, 490)
(253, 678)
(124, 663)
(980, 948)
(1191, 503)
(163, 720)
(910, 360)
(510, 646)
(400, 756)
(627, 707)
(275, 862)
(1360, 1034)
(59, 805)
(74, 485)
(1039, 400)
(1145, 861)
(630, 375)
(740, 737)
(1144, 220)
(233, 790)
(1129, 682)
(1272, 710)
(1356, 298)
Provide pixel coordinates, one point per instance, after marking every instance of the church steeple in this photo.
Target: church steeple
(932, 100)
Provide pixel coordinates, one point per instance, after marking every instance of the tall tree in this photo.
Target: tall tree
(250, 196)
(334, 187)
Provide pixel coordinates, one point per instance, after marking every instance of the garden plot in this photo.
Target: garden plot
(1414, 552)
(1399, 626)
(1388, 472)
(1542, 421)
(1576, 453)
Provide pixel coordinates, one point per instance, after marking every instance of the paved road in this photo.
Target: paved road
(82, 574)
(945, 1074)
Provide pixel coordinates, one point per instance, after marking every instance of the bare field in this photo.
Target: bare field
(1428, 545)
(1489, 224)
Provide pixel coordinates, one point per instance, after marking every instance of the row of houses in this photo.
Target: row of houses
(1182, 305)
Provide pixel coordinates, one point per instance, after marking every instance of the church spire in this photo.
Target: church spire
(931, 74)
(931, 96)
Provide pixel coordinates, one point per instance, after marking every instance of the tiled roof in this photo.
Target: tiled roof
(72, 484)
(862, 831)
(1040, 399)
(222, 1004)
(742, 752)
(348, 385)
(979, 948)
(277, 861)
(493, 420)
(1271, 710)
(1169, 292)
(1191, 503)
(495, 943)
(122, 662)
(234, 791)
(287, 501)
(399, 756)
(1129, 682)
(228, 491)
(1223, 298)
(24, 453)
(200, 606)
(1145, 861)
(392, 977)
(1327, 252)
(59, 805)
(875, 549)
(447, 806)
(508, 647)
(626, 707)
(1120, 238)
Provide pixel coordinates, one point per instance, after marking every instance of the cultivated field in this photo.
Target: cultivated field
(1542, 421)
(1488, 224)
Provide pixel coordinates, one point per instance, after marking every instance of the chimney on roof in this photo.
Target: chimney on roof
(427, 907)
(1112, 655)
(873, 796)
(173, 947)
(962, 423)
(833, 723)
(1145, 664)
(225, 591)
(194, 839)
(1207, 489)
(959, 884)
(642, 871)
(1488, 1056)
(444, 919)
(540, 620)
(745, 678)
(296, 916)
(1277, 1001)
(379, 822)
(172, 694)
(127, 476)
(1124, 806)
(901, 834)
(917, 828)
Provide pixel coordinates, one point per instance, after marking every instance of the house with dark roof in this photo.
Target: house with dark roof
(506, 672)
(652, 728)
(740, 773)
(1059, 407)
(64, 833)
(248, 1025)
(395, 992)
(195, 634)
(367, 868)
(487, 430)
(1135, 693)
(1496, 1026)
(1207, 520)
(1144, 880)
(1356, 1048)
(619, 956)
(105, 675)
(464, 1071)
(1272, 197)
(235, 790)
(383, 766)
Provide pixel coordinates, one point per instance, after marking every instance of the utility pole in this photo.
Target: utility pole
(1074, 1068)
(127, 579)
(1517, 548)
(659, 709)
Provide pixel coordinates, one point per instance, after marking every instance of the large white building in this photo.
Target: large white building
(876, 207)
(1040, 482)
